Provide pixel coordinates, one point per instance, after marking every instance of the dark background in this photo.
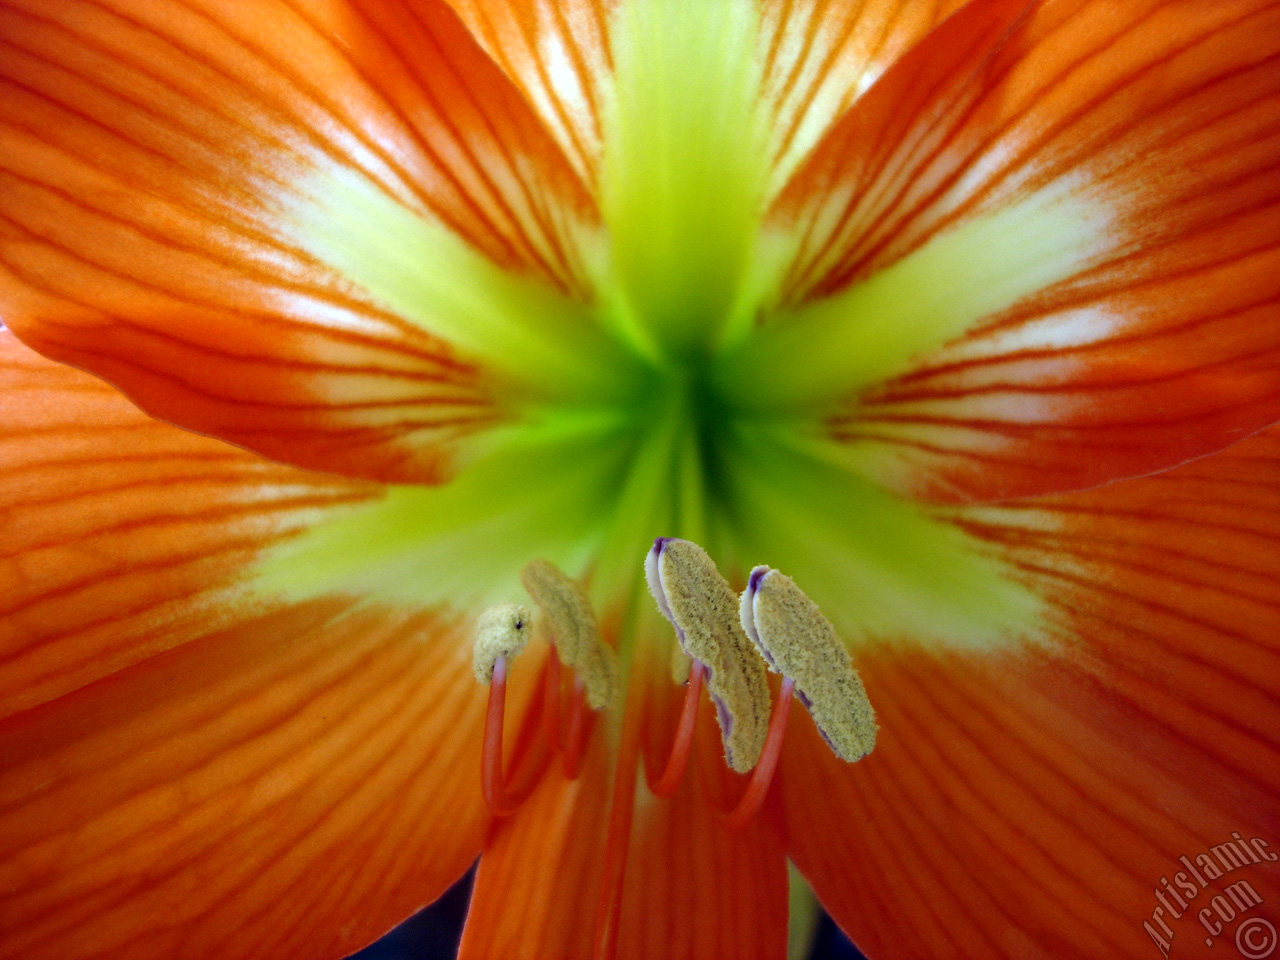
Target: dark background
(433, 933)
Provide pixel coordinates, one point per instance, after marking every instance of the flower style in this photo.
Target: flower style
(963, 316)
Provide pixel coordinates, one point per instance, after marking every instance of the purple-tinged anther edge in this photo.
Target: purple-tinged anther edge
(653, 576)
(725, 719)
(747, 610)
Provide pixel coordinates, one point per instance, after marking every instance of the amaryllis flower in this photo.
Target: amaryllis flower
(325, 318)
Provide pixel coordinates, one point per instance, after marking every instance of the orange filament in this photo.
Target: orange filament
(503, 793)
(577, 731)
(762, 773)
(682, 744)
(551, 699)
(492, 779)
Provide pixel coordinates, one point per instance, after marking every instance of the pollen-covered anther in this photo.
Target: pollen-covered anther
(567, 612)
(801, 644)
(702, 607)
(501, 631)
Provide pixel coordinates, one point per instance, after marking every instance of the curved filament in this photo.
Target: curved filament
(682, 744)
(762, 773)
(577, 730)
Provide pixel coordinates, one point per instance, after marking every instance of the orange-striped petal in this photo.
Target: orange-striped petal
(1029, 803)
(121, 536)
(1142, 141)
(691, 889)
(694, 888)
(189, 767)
(539, 878)
(824, 54)
(558, 53)
(288, 788)
(818, 55)
(151, 156)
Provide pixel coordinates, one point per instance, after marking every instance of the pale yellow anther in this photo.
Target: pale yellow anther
(501, 631)
(568, 614)
(800, 643)
(703, 608)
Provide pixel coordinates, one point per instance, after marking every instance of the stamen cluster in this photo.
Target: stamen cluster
(773, 623)
(730, 641)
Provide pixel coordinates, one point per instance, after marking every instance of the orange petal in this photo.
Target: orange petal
(557, 53)
(823, 54)
(540, 873)
(819, 57)
(289, 788)
(1160, 119)
(1029, 803)
(695, 888)
(148, 156)
(123, 536)
(691, 888)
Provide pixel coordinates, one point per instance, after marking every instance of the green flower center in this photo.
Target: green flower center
(682, 401)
